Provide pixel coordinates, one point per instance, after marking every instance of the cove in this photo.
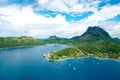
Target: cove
(29, 64)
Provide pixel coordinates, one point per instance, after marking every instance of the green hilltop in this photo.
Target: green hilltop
(15, 42)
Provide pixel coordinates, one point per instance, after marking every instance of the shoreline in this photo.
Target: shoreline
(17, 47)
(99, 58)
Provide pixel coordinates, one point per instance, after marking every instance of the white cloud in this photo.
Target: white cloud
(19, 21)
(26, 16)
(61, 31)
(112, 27)
(105, 13)
(69, 5)
(16, 21)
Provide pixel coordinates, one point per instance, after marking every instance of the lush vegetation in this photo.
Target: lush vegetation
(23, 41)
(94, 42)
(66, 53)
(102, 49)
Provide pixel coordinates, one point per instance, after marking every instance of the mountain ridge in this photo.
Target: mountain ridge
(95, 34)
(92, 34)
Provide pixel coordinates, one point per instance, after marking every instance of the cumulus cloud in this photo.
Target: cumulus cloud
(112, 27)
(75, 6)
(26, 16)
(105, 13)
(25, 20)
(17, 21)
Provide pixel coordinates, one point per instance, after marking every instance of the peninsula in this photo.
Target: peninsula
(95, 42)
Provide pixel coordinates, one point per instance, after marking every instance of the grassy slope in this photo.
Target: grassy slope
(13, 42)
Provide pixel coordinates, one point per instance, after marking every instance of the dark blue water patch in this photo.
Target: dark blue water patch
(29, 64)
(95, 69)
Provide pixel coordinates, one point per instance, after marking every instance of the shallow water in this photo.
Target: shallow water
(29, 64)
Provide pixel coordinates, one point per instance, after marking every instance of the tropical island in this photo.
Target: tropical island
(95, 42)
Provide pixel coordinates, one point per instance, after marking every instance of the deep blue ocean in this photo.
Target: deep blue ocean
(29, 64)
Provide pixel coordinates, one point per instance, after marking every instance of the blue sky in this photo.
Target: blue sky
(64, 18)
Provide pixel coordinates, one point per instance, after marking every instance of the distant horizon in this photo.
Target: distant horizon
(63, 18)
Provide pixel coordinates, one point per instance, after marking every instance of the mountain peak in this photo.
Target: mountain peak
(93, 27)
(95, 33)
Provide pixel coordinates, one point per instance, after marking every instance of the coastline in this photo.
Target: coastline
(100, 58)
(17, 47)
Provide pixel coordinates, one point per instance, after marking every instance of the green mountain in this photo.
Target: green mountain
(23, 41)
(92, 34)
(95, 42)
(95, 33)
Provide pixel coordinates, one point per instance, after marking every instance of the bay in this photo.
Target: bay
(29, 64)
